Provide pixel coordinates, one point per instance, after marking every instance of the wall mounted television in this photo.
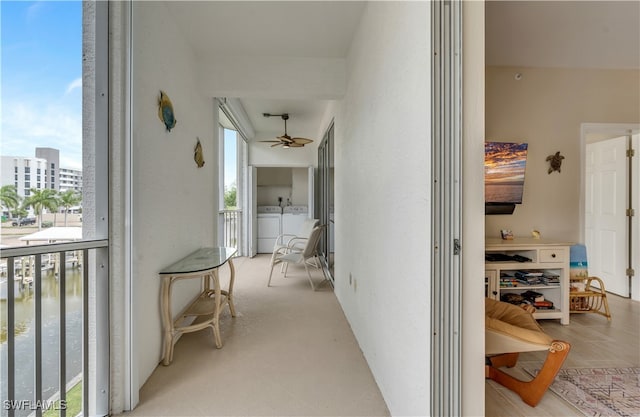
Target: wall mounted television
(504, 168)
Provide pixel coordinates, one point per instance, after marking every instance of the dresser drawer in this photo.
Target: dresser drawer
(552, 255)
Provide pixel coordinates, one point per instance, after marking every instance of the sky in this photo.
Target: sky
(230, 158)
(41, 79)
(504, 162)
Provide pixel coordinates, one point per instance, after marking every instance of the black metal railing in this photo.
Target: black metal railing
(33, 277)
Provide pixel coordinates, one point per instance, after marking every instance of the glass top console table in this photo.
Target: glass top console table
(206, 308)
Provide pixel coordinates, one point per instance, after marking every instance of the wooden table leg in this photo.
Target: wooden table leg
(232, 307)
(167, 325)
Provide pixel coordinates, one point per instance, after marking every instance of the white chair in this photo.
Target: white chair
(286, 243)
(306, 255)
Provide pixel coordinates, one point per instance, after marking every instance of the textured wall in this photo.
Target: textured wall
(383, 165)
(175, 203)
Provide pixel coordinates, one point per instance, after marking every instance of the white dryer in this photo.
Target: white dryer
(269, 227)
(292, 219)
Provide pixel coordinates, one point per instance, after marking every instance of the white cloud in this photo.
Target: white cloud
(26, 126)
(34, 11)
(77, 83)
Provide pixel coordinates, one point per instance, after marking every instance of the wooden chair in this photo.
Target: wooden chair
(510, 330)
(584, 296)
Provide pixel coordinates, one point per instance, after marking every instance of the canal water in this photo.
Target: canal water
(25, 337)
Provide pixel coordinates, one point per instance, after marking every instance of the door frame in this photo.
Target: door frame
(594, 132)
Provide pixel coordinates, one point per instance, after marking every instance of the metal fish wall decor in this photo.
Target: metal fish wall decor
(197, 155)
(165, 111)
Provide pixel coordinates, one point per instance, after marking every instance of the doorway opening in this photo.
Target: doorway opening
(609, 227)
(230, 211)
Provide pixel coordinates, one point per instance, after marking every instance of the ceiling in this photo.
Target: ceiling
(573, 34)
(294, 29)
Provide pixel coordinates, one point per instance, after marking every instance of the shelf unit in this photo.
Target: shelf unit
(545, 255)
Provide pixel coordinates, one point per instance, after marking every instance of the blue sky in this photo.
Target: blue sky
(230, 158)
(41, 78)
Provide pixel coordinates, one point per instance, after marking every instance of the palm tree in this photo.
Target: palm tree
(40, 200)
(69, 199)
(9, 197)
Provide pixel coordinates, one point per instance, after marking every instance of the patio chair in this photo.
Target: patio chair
(510, 330)
(286, 243)
(306, 255)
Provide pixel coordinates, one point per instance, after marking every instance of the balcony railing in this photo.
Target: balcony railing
(54, 341)
(230, 222)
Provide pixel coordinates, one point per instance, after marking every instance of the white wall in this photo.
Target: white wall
(174, 202)
(382, 190)
(300, 186)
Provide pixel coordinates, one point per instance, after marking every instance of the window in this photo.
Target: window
(27, 177)
(27, 170)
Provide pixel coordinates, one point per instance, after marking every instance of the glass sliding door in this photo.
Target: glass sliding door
(325, 200)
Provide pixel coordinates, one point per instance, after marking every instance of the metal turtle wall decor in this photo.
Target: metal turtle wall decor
(165, 111)
(555, 162)
(197, 154)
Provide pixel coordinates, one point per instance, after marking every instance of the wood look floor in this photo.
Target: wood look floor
(594, 342)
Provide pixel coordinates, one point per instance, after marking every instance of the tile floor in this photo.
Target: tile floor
(291, 352)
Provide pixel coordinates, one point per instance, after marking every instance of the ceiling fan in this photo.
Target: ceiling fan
(285, 140)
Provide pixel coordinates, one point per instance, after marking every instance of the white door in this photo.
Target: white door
(605, 213)
(635, 223)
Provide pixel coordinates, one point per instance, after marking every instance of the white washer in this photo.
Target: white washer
(269, 227)
(292, 219)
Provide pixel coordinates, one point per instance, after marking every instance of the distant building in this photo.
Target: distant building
(24, 173)
(53, 165)
(39, 172)
(70, 179)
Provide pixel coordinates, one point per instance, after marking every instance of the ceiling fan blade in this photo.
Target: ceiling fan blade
(301, 141)
(285, 138)
(277, 144)
(271, 141)
(295, 145)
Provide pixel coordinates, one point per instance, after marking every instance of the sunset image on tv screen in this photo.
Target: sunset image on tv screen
(504, 165)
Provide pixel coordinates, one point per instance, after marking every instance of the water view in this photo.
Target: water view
(25, 335)
(501, 193)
